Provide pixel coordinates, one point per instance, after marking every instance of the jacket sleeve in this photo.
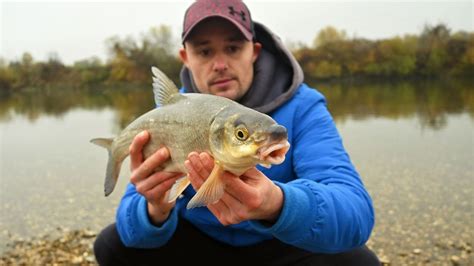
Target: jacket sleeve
(134, 227)
(326, 208)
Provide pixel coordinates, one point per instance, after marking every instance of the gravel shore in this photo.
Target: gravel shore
(75, 248)
(72, 248)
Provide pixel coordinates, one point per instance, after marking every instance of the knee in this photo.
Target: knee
(361, 256)
(367, 257)
(104, 245)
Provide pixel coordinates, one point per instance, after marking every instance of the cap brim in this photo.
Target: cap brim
(247, 34)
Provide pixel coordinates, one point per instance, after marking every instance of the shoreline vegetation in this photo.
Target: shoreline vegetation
(434, 53)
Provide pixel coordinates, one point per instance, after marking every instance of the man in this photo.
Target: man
(311, 210)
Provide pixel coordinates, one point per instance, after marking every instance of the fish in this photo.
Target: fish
(237, 137)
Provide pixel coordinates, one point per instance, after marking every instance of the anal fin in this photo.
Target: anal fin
(179, 186)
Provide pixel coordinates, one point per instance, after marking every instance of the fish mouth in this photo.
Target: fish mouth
(273, 153)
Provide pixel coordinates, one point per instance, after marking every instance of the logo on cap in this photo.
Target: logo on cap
(233, 12)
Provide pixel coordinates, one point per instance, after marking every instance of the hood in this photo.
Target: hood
(277, 74)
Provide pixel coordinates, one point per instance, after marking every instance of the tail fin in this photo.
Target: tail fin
(113, 165)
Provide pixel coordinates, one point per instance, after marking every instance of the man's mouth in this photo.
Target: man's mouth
(222, 82)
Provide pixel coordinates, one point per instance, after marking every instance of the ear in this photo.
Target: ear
(183, 55)
(257, 47)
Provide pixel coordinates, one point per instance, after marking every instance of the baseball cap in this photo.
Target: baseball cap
(234, 11)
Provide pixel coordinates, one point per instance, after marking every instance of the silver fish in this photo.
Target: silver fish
(237, 137)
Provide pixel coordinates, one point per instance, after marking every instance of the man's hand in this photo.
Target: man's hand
(251, 196)
(154, 186)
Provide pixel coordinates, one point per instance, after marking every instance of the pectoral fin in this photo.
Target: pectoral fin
(179, 186)
(211, 191)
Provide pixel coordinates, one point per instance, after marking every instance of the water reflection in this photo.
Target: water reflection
(428, 101)
(129, 102)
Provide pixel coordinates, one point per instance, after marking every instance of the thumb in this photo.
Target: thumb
(253, 173)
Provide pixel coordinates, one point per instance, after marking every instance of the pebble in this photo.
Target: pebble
(384, 260)
(455, 260)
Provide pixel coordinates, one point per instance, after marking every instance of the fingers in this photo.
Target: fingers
(236, 187)
(199, 167)
(154, 180)
(220, 211)
(201, 163)
(136, 155)
(245, 186)
(147, 167)
(228, 210)
(253, 173)
(249, 190)
(194, 178)
(156, 191)
(207, 161)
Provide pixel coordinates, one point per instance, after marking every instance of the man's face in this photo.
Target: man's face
(220, 58)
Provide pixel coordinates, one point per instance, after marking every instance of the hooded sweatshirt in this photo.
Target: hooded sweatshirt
(326, 207)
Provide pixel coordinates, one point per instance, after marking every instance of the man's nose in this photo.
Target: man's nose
(220, 63)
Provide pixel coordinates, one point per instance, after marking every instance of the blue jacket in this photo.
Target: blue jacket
(326, 207)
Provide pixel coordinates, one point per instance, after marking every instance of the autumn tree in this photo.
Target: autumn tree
(431, 53)
(329, 35)
(131, 59)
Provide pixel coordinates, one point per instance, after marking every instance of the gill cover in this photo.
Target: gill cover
(217, 133)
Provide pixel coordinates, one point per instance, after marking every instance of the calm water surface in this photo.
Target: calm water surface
(413, 144)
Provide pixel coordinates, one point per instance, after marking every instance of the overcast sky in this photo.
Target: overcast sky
(78, 30)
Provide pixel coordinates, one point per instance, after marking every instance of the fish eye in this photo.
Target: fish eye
(241, 133)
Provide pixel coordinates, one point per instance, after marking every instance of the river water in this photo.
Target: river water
(412, 142)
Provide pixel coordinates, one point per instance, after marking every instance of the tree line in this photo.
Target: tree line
(435, 52)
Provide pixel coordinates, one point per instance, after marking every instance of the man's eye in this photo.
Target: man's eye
(232, 49)
(204, 52)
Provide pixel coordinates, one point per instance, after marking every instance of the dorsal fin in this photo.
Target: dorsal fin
(163, 87)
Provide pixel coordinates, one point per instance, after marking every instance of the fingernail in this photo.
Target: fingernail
(164, 152)
(203, 156)
(186, 164)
